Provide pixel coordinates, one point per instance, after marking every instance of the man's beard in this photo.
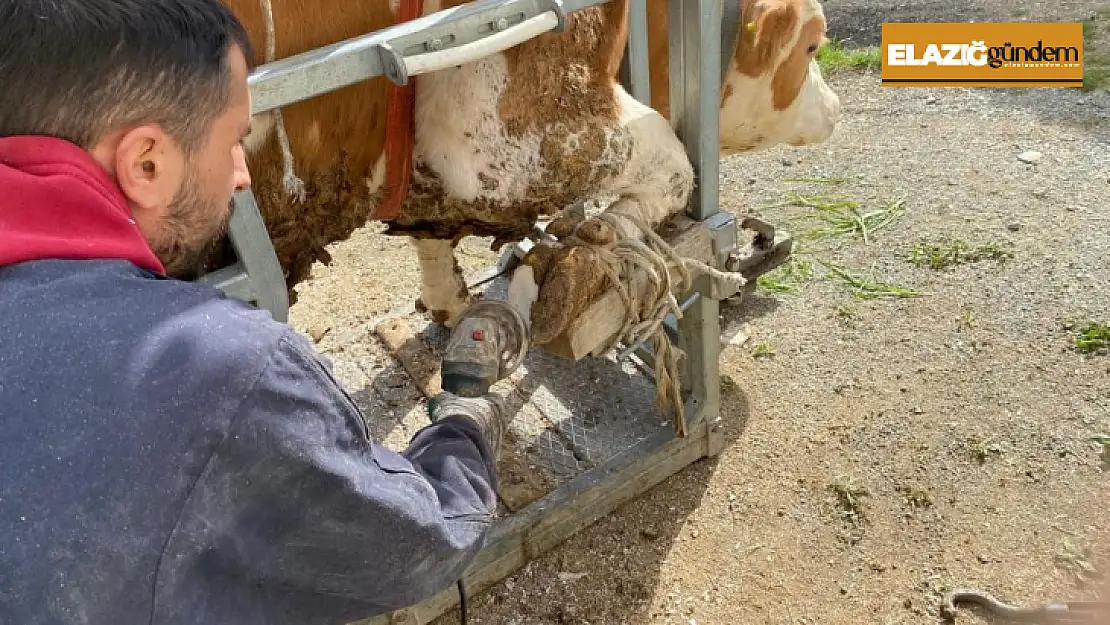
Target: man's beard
(189, 233)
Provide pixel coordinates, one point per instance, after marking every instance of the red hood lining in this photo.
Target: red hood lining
(56, 201)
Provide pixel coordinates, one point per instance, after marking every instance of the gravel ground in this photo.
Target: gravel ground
(880, 450)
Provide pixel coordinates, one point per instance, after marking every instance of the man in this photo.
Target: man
(169, 455)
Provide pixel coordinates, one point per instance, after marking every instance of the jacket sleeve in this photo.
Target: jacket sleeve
(314, 508)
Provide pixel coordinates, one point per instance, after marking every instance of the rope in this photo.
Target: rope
(294, 186)
(645, 316)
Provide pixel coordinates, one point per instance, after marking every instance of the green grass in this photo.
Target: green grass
(1092, 337)
(834, 56)
(842, 216)
(788, 277)
(868, 287)
(1096, 62)
(763, 350)
(816, 180)
(958, 252)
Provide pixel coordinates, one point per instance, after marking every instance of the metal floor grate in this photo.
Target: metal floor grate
(569, 417)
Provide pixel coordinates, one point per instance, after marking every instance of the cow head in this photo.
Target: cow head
(773, 91)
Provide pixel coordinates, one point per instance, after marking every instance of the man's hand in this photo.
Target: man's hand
(488, 412)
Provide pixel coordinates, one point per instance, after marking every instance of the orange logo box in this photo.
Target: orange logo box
(990, 54)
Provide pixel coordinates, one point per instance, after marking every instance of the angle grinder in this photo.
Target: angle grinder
(488, 343)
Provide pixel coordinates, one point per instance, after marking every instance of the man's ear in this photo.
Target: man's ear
(148, 167)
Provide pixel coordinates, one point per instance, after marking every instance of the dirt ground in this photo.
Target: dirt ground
(880, 450)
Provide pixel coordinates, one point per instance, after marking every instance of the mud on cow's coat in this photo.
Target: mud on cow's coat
(502, 141)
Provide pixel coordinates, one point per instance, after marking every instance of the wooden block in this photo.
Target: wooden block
(520, 482)
(405, 344)
(599, 323)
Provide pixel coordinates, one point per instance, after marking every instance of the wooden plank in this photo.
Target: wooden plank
(604, 318)
(405, 344)
(519, 539)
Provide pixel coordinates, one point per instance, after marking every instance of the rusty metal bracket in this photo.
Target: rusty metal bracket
(768, 249)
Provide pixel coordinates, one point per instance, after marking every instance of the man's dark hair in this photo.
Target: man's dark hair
(77, 69)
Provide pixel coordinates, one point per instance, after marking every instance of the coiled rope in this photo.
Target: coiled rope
(646, 312)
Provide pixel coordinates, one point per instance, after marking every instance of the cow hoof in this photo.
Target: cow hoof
(571, 281)
(563, 226)
(596, 232)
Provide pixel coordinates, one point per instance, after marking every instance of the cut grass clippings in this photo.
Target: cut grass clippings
(843, 216)
(816, 180)
(868, 288)
(947, 255)
(788, 277)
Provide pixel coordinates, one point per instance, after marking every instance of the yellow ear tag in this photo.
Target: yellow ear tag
(750, 26)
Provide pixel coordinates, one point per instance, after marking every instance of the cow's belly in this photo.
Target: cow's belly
(474, 176)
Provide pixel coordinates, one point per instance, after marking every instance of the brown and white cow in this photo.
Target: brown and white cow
(505, 140)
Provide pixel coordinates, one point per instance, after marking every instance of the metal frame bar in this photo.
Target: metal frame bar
(635, 71)
(316, 72)
(694, 31)
(257, 277)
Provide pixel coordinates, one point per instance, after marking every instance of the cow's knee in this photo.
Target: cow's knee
(443, 293)
(659, 178)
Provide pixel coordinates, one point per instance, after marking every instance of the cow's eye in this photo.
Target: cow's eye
(812, 49)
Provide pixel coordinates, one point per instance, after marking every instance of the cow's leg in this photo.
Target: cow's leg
(655, 185)
(443, 292)
(657, 182)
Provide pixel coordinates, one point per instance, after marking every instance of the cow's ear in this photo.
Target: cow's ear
(768, 31)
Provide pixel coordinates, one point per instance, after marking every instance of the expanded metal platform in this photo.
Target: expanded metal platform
(587, 436)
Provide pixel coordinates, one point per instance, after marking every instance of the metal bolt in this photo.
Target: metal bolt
(732, 263)
(501, 24)
(434, 44)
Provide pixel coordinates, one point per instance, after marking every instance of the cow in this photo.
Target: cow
(501, 142)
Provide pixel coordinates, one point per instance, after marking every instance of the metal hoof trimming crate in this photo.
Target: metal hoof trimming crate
(589, 426)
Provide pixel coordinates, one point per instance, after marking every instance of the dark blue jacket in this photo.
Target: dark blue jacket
(169, 456)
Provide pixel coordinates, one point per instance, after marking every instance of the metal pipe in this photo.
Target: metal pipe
(344, 63)
(695, 84)
(636, 53)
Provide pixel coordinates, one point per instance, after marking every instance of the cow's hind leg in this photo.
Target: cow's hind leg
(655, 185)
(443, 292)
